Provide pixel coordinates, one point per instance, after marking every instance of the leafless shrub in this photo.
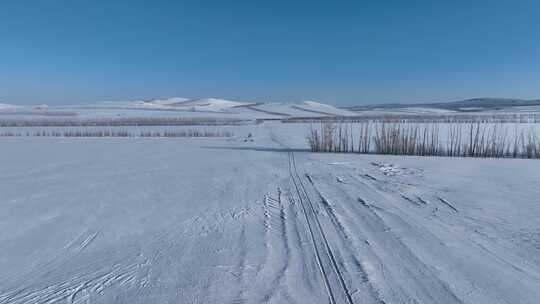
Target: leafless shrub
(80, 133)
(117, 133)
(186, 133)
(323, 139)
(463, 140)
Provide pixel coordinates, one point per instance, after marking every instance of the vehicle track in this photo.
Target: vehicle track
(332, 276)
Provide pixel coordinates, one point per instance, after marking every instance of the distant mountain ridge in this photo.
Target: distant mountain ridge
(467, 105)
(223, 105)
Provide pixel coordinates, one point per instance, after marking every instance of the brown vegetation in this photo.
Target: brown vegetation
(474, 139)
(117, 133)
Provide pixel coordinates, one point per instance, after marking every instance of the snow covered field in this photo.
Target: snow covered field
(227, 220)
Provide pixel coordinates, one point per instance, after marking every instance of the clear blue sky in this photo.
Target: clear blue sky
(339, 52)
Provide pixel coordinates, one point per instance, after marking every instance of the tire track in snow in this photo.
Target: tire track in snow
(277, 218)
(266, 234)
(348, 240)
(241, 266)
(430, 285)
(334, 289)
(330, 273)
(297, 236)
(281, 277)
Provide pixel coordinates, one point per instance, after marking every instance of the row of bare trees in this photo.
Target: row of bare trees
(433, 139)
(125, 121)
(117, 133)
(186, 133)
(424, 118)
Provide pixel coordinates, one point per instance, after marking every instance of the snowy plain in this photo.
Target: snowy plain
(230, 220)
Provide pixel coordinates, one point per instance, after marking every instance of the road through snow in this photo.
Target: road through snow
(230, 221)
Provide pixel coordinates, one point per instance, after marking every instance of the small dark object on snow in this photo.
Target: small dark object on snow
(249, 138)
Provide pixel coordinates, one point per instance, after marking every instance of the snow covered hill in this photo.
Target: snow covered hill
(211, 104)
(303, 109)
(5, 106)
(168, 101)
(185, 107)
(468, 105)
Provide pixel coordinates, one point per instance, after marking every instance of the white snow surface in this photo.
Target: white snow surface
(214, 103)
(5, 106)
(213, 107)
(179, 104)
(304, 109)
(178, 107)
(155, 220)
(325, 108)
(169, 101)
(424, 110)
(203, 104)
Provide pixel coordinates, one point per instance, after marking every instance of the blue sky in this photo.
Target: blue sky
(338, 52)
